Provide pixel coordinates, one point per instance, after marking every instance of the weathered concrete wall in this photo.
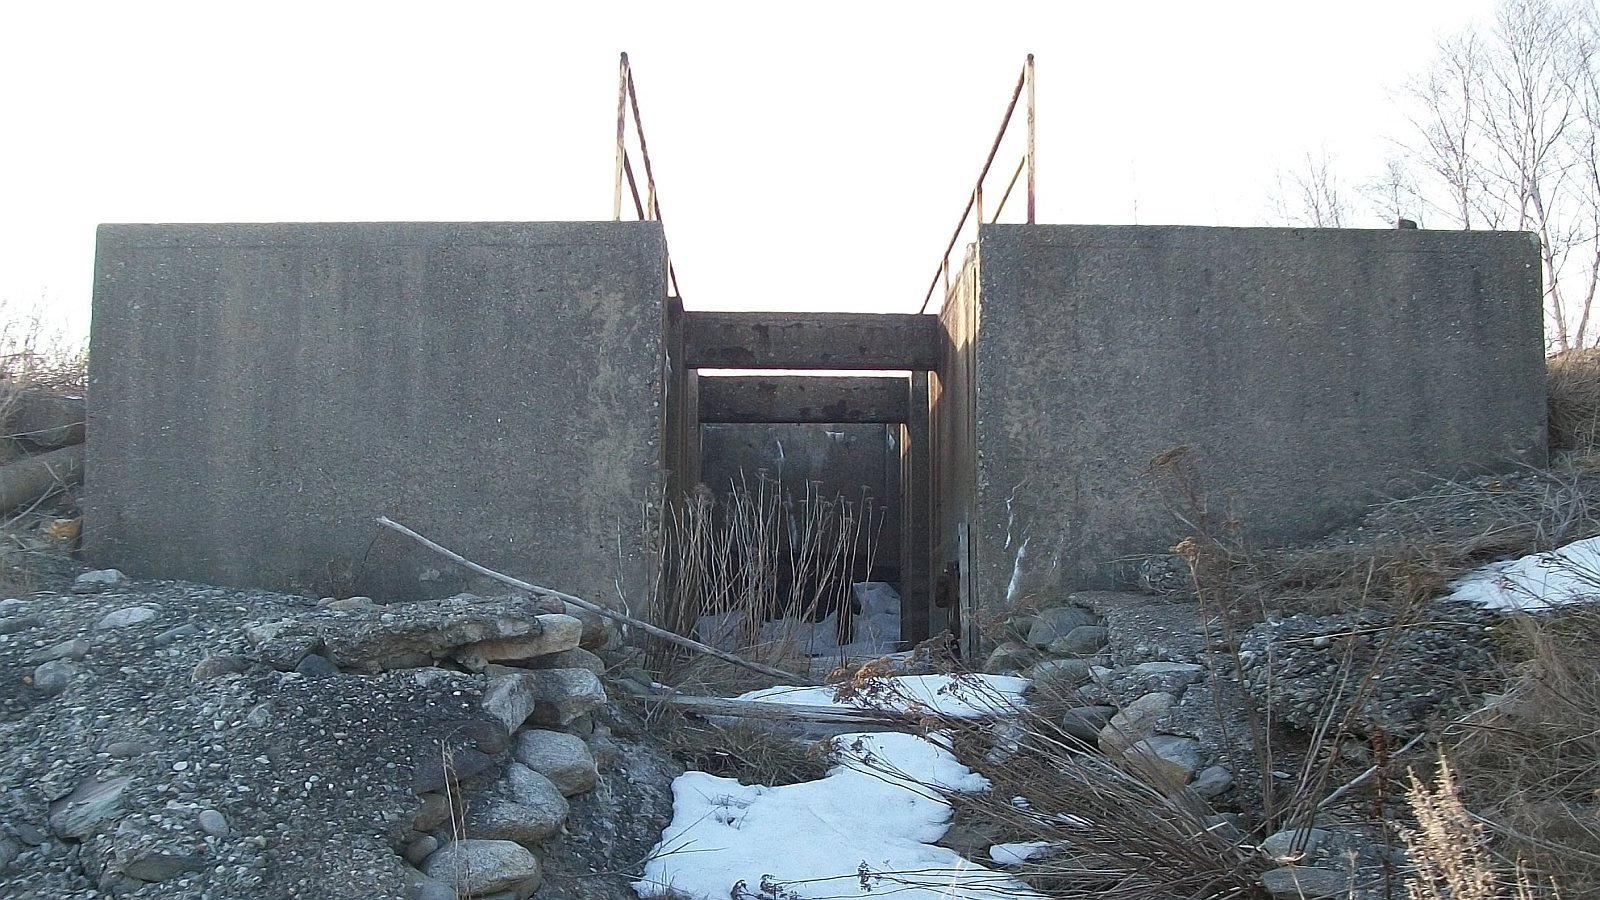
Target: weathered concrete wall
(260, 392)
(954, 463)
(1310, 371)
(844, 460)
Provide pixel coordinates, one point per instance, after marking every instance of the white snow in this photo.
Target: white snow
(956, 696)
(1018, 853)
(863, 831)
(1539, 581)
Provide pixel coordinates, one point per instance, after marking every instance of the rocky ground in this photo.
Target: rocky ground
(166, 740)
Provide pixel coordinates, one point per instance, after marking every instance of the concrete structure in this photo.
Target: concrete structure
(1310, 372)
(524, 391)
(260, 392)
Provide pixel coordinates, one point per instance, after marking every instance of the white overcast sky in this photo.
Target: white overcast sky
(809, 155)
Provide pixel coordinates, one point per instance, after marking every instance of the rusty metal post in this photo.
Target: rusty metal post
(1028, 68)
(622, 124)
(977, 202)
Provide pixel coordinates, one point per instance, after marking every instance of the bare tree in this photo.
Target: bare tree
(1504, 137)
(1310, 196)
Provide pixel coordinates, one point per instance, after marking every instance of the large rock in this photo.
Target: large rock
(557, 633)
(90, 807)
(1086, 722)
(483, 867)
(1054, 678)
(1135, 722)
(551, 697)
(1167, 762)
(1305, 883)
(576, 658)
(1051, 625)
(563, 758)
(1011, 657)
(397, 636)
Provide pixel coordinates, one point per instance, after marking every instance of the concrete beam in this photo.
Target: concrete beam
(794, 398)
(788, 340)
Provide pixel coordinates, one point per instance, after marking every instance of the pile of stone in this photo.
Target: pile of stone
(493, 794)
(165, 740)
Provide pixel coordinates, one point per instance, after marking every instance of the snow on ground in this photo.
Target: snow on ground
(1539, 581)
(876, 628)
(862, 831)
(956, 696)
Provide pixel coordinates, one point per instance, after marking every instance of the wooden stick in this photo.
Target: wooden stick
(581, 603)
(794, 712)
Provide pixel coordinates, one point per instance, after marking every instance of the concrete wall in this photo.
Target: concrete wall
(260, 392)
(954, 464)
(844, 459)
(1310, 372)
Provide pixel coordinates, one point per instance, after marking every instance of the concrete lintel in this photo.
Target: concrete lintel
(790, 340)
(796, 398)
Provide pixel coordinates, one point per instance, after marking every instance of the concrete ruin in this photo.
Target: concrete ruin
(527, 392)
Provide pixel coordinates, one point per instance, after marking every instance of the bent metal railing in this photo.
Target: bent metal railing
(975, 198)
(648, 207)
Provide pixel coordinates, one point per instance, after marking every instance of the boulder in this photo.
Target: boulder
(1305, 883)
(1051, 625)
(1166, 761)
(478, 867)
(1135, 722)
(563, 758)
(556, 633)
(543, 696)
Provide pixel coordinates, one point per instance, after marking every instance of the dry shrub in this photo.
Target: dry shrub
(1448, 847)
(1113, 836)
(752, 753)
(759, 552)
(1529, 765)
(1573, 384)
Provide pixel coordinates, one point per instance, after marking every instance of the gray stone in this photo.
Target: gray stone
(10, 848)
(11, 606)
(1051, 625)
(213, 823)
(283, 643)
(465, 766)
(435, 811)
(1058, 677)
(315, 665)
(432, 889)
(1305, 883)
(548, 808)
(152, 864)
(90, 806)
(1212, 781)
(576, 658)
(563, 758)
(495, 818)
(1166, 761)
(1171, 677)
(128, 749)
(122, 618)
(218, 665)
(1294, 845)
(18, 624)
(483, 866)
(420, 849)
(1086, 722)
(542, 697)
(598, 632)
(53, 677)
(173, 635)
(1135, 722)
(1085, 640)
(75, 649)
(1011, 657)
(97, 581)
(557, 633)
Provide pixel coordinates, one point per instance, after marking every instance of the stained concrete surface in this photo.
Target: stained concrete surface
(260, 392)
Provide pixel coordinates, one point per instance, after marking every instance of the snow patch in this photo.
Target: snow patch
(956, 696)
(862, 831)
(1538, 581)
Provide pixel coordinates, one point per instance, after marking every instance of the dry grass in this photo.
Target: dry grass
(1573, 386)
(1529, 765)
(752, 753)
(759, 552)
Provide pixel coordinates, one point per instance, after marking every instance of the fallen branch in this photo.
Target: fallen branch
(581, 603)
(794, 712)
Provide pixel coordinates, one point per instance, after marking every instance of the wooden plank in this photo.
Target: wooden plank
(786, 340)
(792, 398)
(792, 712)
